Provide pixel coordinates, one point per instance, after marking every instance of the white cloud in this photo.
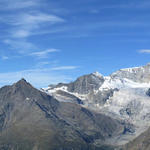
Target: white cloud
(41, 17)
(64, 68)
(21, 33)
(146, 51)
(38, 77)
(43, 54)
(32, 19)
(26, 24)
(41, 64)
(17, 4)
(4, 57)
(21, 46)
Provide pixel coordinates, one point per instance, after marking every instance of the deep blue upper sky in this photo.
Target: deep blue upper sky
(48, 41)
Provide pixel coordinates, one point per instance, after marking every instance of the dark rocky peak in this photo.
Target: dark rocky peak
(16, 86)
(19, 90)
(22, 83)
(23, 93)
(22, 89)
(27, 89)
(23, 79)
(83, 84)
(86, 83)
(148, 92)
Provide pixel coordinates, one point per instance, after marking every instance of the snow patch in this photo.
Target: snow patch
(97, 74)
(112, 83)
(27, 99)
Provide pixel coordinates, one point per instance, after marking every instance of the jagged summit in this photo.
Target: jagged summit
(96, 73)
(22, 84)
(23, 79)
(86, 83)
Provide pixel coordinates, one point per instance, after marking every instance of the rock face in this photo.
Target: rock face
(32, 120)
(123, 95)
(86, 84)
(148, 92)
(85, 88)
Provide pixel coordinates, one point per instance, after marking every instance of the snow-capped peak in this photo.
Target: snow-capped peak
(119, 83)
(97, 74)
(135, 74)
(122, 95)
(131, 70)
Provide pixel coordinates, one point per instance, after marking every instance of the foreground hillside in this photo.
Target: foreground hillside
(32, 120)
(140, 143)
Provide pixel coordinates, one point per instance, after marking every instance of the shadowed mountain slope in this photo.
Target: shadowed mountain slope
(142, 142)
(32, 120)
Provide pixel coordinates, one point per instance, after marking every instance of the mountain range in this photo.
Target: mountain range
(94, 112)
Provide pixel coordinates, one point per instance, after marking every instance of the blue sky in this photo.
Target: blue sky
(48, 41)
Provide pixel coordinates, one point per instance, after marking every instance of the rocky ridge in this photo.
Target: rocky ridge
(123, 95)
(33, 120)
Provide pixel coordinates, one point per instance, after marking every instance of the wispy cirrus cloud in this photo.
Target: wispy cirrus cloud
(26, 19)
(33, 19)
(4, 57)
(22, 22)
(20, 45)
(25, 24)
(64, 68)
(41, 64)
(40, 77)
(17, 4)
(37, 77)
(43, 54)
(144, 51)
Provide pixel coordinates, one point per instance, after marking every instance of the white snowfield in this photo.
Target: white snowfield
(122, 83)
(129, 102)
